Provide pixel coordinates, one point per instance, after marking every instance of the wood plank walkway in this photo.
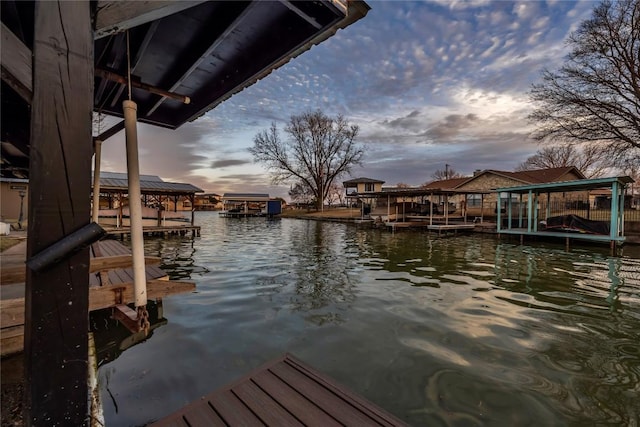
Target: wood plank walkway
(181, 230)
(110, 281)
(283, 392)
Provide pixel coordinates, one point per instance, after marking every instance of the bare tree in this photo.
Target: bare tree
(595, 95)
(447, 173)
(591, 160)
(319, 150)
(336, 194)
(301, 193)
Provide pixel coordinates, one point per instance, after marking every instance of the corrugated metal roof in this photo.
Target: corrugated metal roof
(246, 197)
(121, 175)
(149, 184)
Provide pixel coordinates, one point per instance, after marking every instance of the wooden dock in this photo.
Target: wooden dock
(440, 228)
(110, 283)
(283, 392)
(181, 230)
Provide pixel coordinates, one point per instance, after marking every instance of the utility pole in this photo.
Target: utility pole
(446, 171)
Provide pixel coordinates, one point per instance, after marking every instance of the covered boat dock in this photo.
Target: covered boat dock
(441, 216)
(161, 63)
(540, 216)
(242, 205)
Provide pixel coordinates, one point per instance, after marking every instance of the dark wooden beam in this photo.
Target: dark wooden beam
(16, 64)
(295, 9)
(109, 75)
(116, 16)
(57, 299)
(134, 65)
(204, 55)
(110, 132)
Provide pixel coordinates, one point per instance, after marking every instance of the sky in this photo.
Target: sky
(429, 84)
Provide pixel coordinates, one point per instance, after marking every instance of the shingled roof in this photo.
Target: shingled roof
(535, 176)
(362, 180)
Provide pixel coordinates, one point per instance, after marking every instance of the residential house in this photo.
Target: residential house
(358, 188)
(207, 202)
(489, 179)
(14, 199)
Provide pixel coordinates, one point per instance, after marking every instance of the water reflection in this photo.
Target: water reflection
(177, 253)
(463, 330)
(112, 338)
(320, 270)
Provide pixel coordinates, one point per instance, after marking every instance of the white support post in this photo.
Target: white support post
(96, 181)
(135, 203)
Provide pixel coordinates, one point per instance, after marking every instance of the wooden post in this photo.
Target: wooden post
(192, 199)
(120, 218)
(57, 299)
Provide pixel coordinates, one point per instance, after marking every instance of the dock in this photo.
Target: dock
(455, 228)
(283, 392)
(110, 284)
(162, 231)
(439, 228)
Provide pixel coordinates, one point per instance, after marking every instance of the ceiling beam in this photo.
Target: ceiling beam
(16, 64)
(109, 75)
(116, 16)
(205, 55)
(295, 9)
(110, 132)
(143, 48)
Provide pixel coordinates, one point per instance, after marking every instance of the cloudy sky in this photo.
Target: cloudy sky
(429, 83)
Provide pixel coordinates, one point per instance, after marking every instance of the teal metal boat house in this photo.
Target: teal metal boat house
(564, 210)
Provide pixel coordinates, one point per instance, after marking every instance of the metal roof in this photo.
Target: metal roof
(577, 185)
(416, 192)
(207, 51)
(111, 182)
(246, 197)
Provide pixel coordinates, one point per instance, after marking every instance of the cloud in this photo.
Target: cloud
(451, 126)
(429, 84)
(229, 162)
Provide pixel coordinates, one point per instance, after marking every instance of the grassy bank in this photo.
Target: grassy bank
(6, 242)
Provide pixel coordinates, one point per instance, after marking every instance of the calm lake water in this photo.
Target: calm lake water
(438, 331)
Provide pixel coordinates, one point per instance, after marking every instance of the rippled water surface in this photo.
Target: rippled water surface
(438, 331)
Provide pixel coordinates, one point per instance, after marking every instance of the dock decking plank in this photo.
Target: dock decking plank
(338, 408)
(264, 406)
(363, 405)
(282, 392)
(232, 410)
(294, 402)
(204, 417)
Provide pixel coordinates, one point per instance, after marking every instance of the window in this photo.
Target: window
(368, 187)
(474, 200)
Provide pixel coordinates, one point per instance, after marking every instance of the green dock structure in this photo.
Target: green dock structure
(529, 210)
